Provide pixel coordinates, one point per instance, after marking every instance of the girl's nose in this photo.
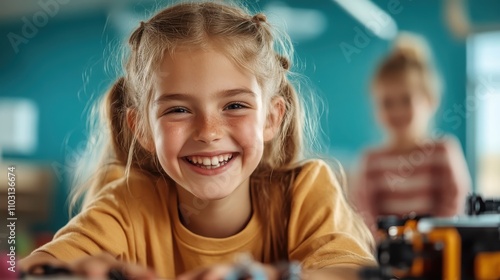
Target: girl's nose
(208, 130)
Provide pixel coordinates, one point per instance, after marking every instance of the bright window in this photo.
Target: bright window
(483, 108)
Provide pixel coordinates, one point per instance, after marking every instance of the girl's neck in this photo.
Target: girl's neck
(218, 218)
(406, 142)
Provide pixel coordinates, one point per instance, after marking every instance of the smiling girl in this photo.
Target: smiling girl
(206, 161)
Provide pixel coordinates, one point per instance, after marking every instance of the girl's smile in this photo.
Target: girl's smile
(210, 163)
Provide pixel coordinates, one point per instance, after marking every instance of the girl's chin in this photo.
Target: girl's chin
(400, 131)
(212, 194)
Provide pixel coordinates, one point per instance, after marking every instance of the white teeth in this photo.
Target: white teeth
(210, 162)
(215, 160)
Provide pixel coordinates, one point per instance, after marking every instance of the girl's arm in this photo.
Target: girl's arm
(38, 258)
(92, 267)
(222, 271)
(323, 229)
(455, 180)
(335, 273)
(101, 227)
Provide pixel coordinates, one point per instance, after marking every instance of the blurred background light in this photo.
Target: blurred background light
(483, 110)
(371, 16)
(19, 126)
(301, 24)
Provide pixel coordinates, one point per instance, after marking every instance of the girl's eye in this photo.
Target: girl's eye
(234, 106)
(387, 104)
(176, 110)
(406, 100)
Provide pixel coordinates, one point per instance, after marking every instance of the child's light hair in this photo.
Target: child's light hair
(251, 43)
(411, 54)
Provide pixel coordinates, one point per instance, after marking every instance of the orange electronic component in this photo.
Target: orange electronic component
(487, 265)
(428, 248)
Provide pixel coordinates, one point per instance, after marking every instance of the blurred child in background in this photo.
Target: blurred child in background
(412, 171)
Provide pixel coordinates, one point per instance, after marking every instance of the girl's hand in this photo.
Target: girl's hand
(258, 271)
(103, 266)
(246, 268)
(255, 271)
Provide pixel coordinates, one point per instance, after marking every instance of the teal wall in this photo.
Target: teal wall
(60, 69)
(65, 64)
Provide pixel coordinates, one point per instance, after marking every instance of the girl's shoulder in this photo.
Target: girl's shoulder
(135, 190)
(315, 174)
(312, 167)
(449, 149)
(446, 142)
(374, 152)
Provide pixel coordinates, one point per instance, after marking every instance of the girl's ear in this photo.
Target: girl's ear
(274, 118)
(146, 143)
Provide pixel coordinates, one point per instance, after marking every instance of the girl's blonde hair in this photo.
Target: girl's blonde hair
(251, 43)
(411, 54)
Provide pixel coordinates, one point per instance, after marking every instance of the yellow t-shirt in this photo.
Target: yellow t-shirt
(139, 223)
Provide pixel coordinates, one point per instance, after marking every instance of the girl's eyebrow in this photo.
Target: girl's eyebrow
(237, 91)
(165, 97)
(183, 96)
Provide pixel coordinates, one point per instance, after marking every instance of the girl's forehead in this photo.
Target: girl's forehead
(241, 55)
(202, 70)
(405, 80)
(182, 54)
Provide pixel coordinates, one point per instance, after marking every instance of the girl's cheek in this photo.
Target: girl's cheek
(248, 132)
(174, 131)
(172, 128)
(168, 136)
